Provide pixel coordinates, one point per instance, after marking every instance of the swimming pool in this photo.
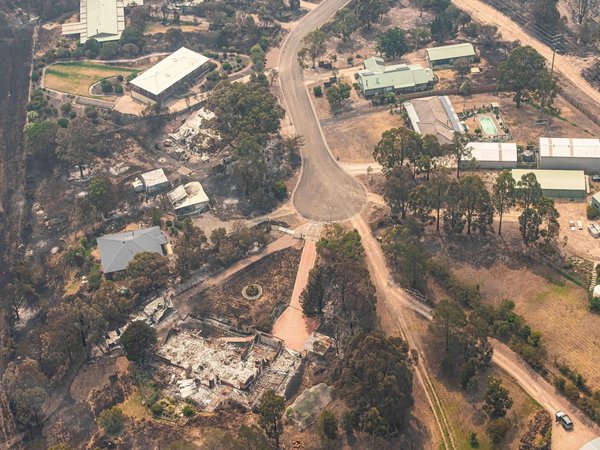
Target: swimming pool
(488, 125)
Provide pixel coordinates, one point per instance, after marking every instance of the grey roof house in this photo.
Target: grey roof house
(434, 115)
(117, 250)
(378, 78)
(440, 57)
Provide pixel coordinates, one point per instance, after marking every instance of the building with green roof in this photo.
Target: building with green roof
(565, 184)
(443, 57)
(379, 78)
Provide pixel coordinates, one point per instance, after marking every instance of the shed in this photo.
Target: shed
(444, 56)
(163, 79)
(569, 153)
(492, 155)
(189, 198)
(117, 250)
(596, 201)
(155, 181)
(566, 184)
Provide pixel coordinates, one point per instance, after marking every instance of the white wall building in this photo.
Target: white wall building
(491, 155)
(573, 154)
(189, 198)
(103, 20)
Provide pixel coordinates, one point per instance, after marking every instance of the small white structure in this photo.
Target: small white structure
(153, 182)
(491, 155)
(189, 199)
(573, 154)
(103, 20)
(163, 79)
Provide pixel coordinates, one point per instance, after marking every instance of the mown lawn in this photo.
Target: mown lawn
(78, 77)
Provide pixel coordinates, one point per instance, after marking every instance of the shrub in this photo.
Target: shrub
(118, 89)
(106, 86)
(497, 430)
(188, 410)
(66, 108)
(595, 304)
(91, 112)
(280, 190)
(226, 66)
(72, 114)
(327, 426)
(473, 441)
(465, 89)
(120, 78)
(157, 409)
(169, 223)
(62, 122)
(111, 420)
(318, 91)
(592, 212)
(35, 76)
(131, 76)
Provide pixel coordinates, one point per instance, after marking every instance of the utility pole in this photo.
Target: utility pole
(554, 41)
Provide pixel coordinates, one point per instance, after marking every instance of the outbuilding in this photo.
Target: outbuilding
(163, 79)
(594, 444)
(562, 184)
(445, 56)
(189, 198)
(491, 155)
(103, 20)
(567, 153)
(596, 201)
(154, 181)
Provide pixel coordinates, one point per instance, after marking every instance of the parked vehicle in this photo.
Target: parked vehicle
(563, 419)
(572, 225)
(580, 224)
(594, 230)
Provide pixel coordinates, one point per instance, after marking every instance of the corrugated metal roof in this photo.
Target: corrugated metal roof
(555, 179)
(117, 250)
(592, 445)
(450, 51)
(569, 148)
(493, 151)
(103, 20)
(154, 177)
(377, 75)
(169, 71)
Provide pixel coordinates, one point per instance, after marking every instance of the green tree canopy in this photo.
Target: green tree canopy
(504, 195)
(148, 271)
(77, 144)
(497, 399)
(101, 194)
(392, 43)
(315, 45)
(138, 341)
(111, 420)
(40, 139)
(338, 93)
(521, 71)
(270, 412)
(344, 23)
(395, 146)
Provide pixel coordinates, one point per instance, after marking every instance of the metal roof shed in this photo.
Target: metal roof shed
(492, 155)
(567, 184)
(567, 153)
(103, 20)
(446, 55)
(155, 181)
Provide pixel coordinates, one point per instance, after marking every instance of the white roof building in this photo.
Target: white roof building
(162, 79)
(155, 181)
(492, 155)
(103, 20)
(189, 198)
(566, 153)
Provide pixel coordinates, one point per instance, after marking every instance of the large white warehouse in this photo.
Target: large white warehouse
(574, 154)
(491, 155)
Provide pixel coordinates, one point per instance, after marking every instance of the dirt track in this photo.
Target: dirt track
(567, 66)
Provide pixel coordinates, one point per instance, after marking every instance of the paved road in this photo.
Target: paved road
(325, 191)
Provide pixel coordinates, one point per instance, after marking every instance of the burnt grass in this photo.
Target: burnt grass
(276, 275)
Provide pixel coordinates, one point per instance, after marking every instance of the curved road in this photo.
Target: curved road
(325, 191)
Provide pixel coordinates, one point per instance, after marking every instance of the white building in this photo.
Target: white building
(189, 198)
(103, 20)
(152, 182)
(491, 155)
(163, 79)
(574, 154)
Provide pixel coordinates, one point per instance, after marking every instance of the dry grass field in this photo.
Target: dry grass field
(550, 304)
(78, 77)
(157, 27)
(352, 138)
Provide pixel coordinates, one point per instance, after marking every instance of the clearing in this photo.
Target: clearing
(78, 77)
(352, 137)
(157, 27)
(274, 273)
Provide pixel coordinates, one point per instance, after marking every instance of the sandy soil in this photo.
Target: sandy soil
(353, 137)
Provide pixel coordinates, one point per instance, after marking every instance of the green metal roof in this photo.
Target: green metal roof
(560, 180)
(450, 51)
(377, 75)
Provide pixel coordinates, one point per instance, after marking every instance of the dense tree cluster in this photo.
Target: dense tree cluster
(340, 290)
(374, 378)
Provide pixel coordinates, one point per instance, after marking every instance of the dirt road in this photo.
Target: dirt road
(325, 191)
(394, 302)
(568, 66)
(292, 326)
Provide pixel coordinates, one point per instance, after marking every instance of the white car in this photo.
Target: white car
(572, 225)
(580, 224)
(563, 419)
